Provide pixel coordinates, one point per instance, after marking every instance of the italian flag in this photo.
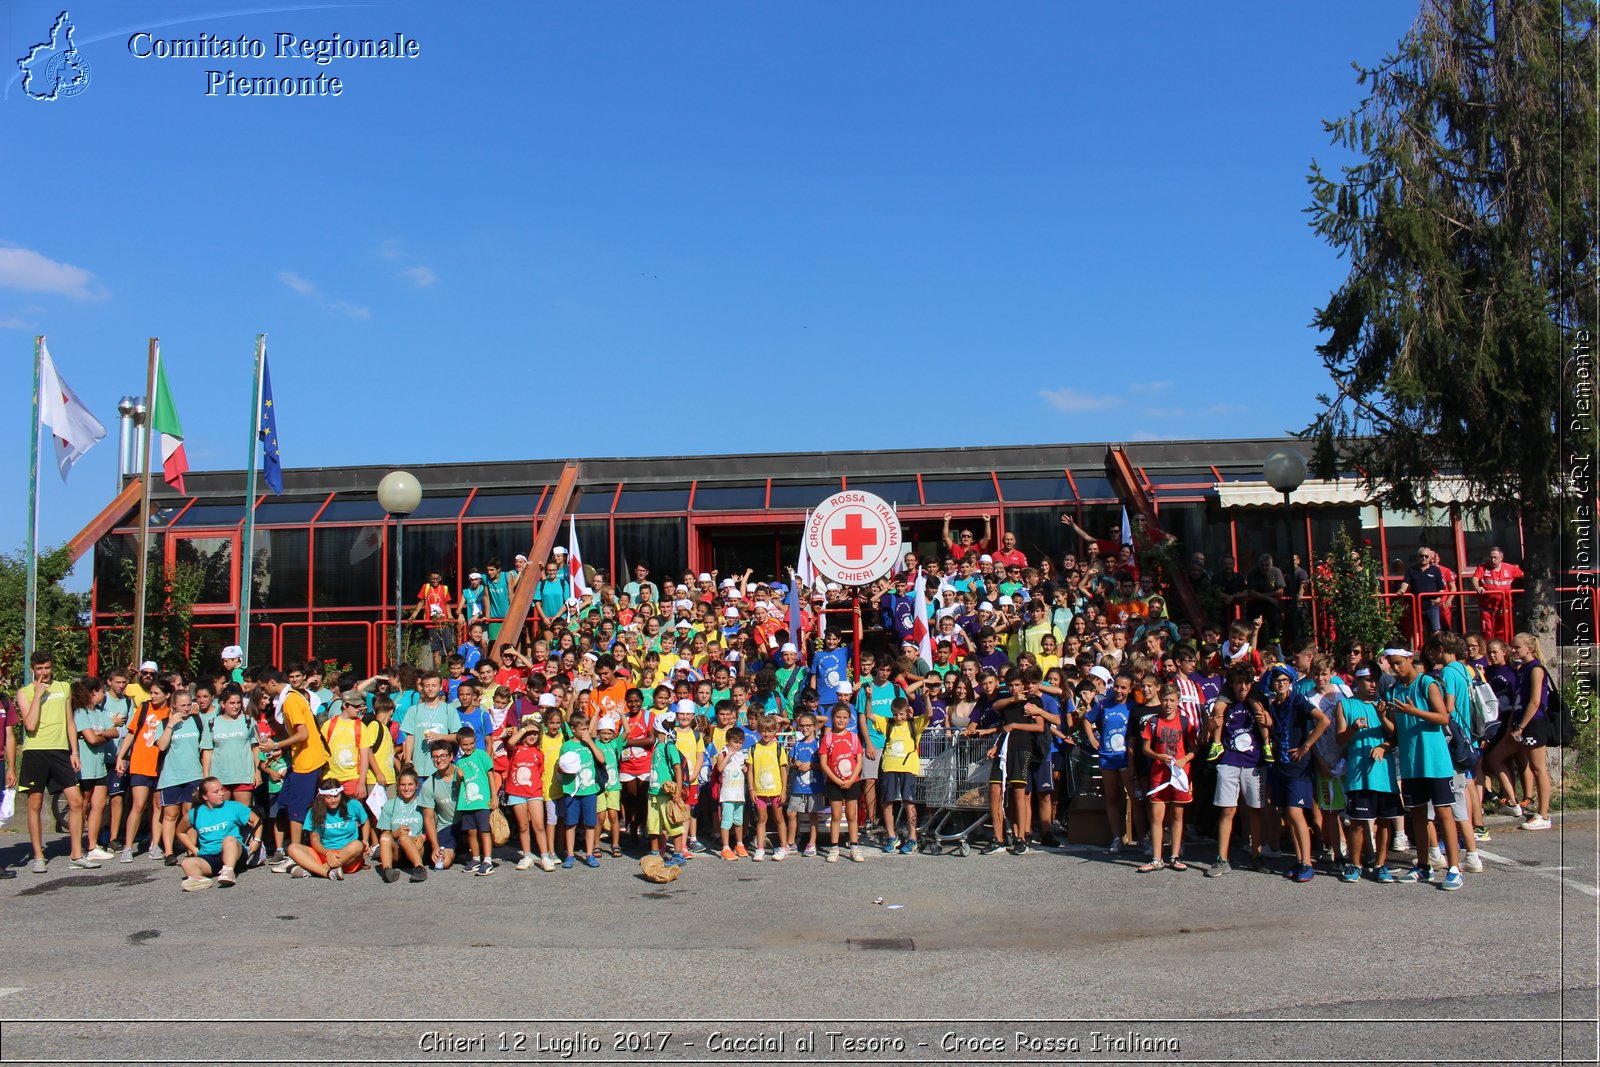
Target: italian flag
(164, 421)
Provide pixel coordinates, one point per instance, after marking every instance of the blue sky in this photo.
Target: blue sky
(635, 229)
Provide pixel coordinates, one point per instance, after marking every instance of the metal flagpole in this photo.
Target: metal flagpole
(144, 511)
(31, 625)
(247, 559)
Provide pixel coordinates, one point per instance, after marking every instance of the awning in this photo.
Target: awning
(1325, 491)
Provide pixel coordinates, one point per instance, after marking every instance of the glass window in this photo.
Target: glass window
(282, 568)
(594, 541)
(958, 490)
(287, 512)
(662, 544)
(1265, 530)
(113, 583)
(1040, 533)
(428, 547)
(496, 505)
(348, 566)
(340, 640)
(634, 501)
(438, 507)
(483, 541)
(209, 515)
(1404, 532)
(1091, 487)
(1019, 489)
(1198, 528)
(596, 500)
(809, 496)
(1182, 478)
(353, 509)
(214, 557)
(730, 497)
(1325, 524)
(896, 492)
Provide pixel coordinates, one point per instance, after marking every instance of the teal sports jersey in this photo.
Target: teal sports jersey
(231, 758)
(340, 826)
(1423, 751)
(215, 825)
(1361, 771)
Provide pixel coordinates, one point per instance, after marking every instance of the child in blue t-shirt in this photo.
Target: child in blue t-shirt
(221, 831)
(332, 847)
(804, 781)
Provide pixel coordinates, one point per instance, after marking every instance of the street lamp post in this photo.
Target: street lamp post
(1285, 470)
(399, 494)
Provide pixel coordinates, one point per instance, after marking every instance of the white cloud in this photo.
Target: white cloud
(419, 276)
(306, 288)
(392, 249)
(22, 268)
(1072, 400)
(1165, 413)
(15, 322)
(1226, 409)
(1149, 387)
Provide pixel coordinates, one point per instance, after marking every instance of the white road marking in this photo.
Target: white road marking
(1551, 873)
(6, 991)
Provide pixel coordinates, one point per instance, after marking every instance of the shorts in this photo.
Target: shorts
(351, 867)
(517, 802)
(1114, 762)
(1536, 733)
(1420, 792)
(772, 804)
(655, 816)
(869, 767)
(551, 815)
(447, 838)
(299, 790)
(1044, 777)
(116, 781)
(1330, 792)
(475, 820)
(1290, 792)
(580, 811)
(141, 781)
(1235, 783)
(803, 803)
(46, 770)
(732, 814)
(352, 787)
(896, 786)
(212, 860)
(1365, 804)
(837, 795)
(179, 794)
(1161, 792)
(606, 800)
(235, 788)
(1458, 788)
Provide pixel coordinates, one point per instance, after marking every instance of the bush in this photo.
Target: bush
(1345, 590)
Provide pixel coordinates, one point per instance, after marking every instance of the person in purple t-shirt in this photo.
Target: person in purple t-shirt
(1238, 726)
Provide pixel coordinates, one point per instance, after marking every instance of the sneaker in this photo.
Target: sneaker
(856, 855)
(994, 845)
(1480, 834)
(739, 850)
(285, 866)
(1215, 751)
(1472, 863)
(486, 868)
(1435, 857)
(676, 860)
(1402, 843)
(759, 855)
(1384, 875)
(1270, 852)
(697, 845)
(299, 872)
(908, 847)
(780, 854)
(728, 854)
(1351, 873)
(833, 854)
(1305, 873)
(1452, 880)
(1536, 823)
(1116, 845)
(1019, 847)
(335, 874)
(810, 852)
(194, 885)
(547, 863)
(419, 874)
(588, 861)
(1414, 874)
(84, 863)
(101, 854)
(226, 877)
(155, 853)
(125, 856)
(891, 844)
(566, 864)
(170, 860)
(39, 866)
(389, 874)
(525, 861)
(1218, 868)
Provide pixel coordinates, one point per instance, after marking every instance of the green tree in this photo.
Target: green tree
(1345, 588)
(62, 616)
(1468, 224)
(170, 593)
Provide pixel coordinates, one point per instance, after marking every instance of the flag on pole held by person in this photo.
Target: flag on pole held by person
(805, 571)
(575, 559)
(164, 421)
(796, 621)
(1127, 531)
(919, 619)
(271, 464)
(72, 427)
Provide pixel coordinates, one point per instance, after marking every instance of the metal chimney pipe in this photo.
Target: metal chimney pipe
(124, 437)
(141, 420)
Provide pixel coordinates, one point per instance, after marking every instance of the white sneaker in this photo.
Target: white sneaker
(547, 863)
(758, 855)
(39, 867)
(856, 855)
(1436, 857)
(780, 854)
(226, 876)
(125, 856)
(1536, 823)
(284, 866)
(1471, 863)
(833, 854)
(1402, 843)
(101, 854)
(194, 885)
(85, 863)
(155, 853)
(525, 861)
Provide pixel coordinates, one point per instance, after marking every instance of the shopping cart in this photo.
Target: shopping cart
(953, 789)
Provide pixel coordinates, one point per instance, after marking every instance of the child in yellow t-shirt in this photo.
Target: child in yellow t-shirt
(769, 769)
(900, 769)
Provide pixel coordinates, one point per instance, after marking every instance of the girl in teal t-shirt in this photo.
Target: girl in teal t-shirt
(332, 848)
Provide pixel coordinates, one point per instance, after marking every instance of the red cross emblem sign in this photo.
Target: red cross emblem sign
(853, 537)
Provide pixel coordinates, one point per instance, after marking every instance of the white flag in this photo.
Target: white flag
(575, 559)
(74, 429)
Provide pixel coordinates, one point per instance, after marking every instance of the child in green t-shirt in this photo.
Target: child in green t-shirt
(608, 804)
(580, 786)
(474, 797)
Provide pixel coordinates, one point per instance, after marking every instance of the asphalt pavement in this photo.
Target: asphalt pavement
(1055, 957)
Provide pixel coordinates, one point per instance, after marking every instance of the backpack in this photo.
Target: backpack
(1556, 712)
(1485, 708)
(1462, 755)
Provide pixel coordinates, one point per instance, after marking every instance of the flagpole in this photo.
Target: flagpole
(31, 624)
(247, 558)
(144, 512)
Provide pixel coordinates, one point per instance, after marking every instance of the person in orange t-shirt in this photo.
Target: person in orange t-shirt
(608, 696)
(140, 760)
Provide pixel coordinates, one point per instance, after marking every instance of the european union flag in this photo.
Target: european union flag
(271, 466)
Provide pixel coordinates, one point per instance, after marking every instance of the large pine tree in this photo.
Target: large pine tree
(1468, 223)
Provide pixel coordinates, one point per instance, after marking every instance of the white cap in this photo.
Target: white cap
(788, 646)
(150, 665)
(521, 558)
(591, 654)
(231, 652)
(844, 689)
(473, 574)
(686, 605)
(732, 613)
(1404, 653)
(570, 762)
(985, 606)
(985, 559)
(558, 551)
(666, 722)
(1006, 600)
(547, 700)
(686, 707)
(727, 583)
(1101, 673)
(683, 624)
(607, 722)
(572, 601)
(832, 587)
(703, 577)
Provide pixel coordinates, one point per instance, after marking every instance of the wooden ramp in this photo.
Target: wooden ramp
(566, 494)
(1125, 480)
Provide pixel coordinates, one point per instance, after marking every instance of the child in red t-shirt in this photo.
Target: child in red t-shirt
(841, 770)
(1169, 742)
(525, 792)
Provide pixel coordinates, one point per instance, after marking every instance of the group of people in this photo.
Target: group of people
(693, 720)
